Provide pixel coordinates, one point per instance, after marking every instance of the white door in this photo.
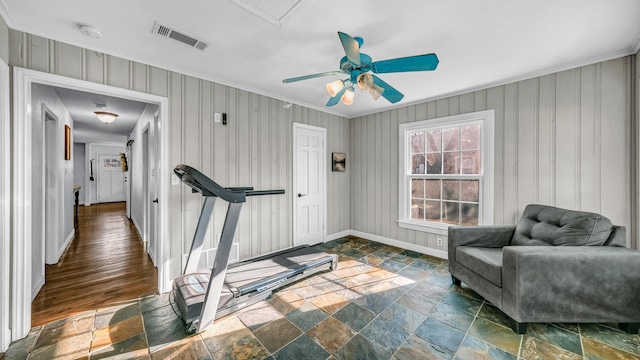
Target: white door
(309, 161)
(152, 156)
(110, 179)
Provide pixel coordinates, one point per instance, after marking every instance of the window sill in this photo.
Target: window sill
(439, 229)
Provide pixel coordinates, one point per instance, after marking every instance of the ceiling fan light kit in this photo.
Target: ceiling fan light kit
(357, 65)
(334, 87)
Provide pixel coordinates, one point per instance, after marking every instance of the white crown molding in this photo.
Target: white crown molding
(6, 16)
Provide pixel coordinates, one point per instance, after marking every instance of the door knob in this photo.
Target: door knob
(155, 201)
(301, 195)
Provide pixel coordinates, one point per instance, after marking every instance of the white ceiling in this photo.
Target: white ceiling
(254, 44)
(86, 126)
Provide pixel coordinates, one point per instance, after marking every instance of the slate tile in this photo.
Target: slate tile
(330, 302)
(392, 265)
(385, 333)
(306, 316)
(443, 337)
(403, 316)
(131, 348)
(332, 334)
(286, 301)
(555, 336)
(416, 302)
(612, 337)
(595, 350)
(417, 348)
(494, 314)
(258, 315)
(533, 348)
(120, 331)
(60, 330)
(451, 316)
(472, 348)
(116, 314)
(423, 265)
(462, 303)
(497, 335)
(191, 348)
(277, 334)
(354, 316)
(360, 348)
(302, 348)
(67, 348)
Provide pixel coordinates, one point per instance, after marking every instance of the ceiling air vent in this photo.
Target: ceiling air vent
(176, 35)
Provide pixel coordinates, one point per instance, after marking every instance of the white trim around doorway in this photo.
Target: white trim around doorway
(22, 195)
(5, 217)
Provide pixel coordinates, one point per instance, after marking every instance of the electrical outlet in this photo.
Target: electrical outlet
(439, 241)
(217, 117)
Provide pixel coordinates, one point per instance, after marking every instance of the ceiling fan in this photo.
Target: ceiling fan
(358, 66)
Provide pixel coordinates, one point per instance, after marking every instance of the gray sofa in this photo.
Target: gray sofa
(556, 265)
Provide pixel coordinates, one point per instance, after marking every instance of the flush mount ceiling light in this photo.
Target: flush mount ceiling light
(105, 116)
(90, 31)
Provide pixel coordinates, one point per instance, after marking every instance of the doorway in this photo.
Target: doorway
(23, 220)
(309, 189)
(111, 181)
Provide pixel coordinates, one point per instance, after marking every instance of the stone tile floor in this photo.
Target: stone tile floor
(382, 302)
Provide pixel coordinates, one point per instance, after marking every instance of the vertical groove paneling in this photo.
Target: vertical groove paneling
(546, 140)
(559, 139)
(565, 138)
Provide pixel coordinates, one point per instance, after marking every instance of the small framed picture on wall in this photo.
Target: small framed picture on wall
(339, 162)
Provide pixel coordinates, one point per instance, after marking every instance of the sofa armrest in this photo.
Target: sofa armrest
(571, 284)
(479, 236)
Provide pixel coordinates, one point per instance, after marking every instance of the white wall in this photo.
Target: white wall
(79, 169)
(91, 152)
(135, 165)
(63, 195)
(562, 139)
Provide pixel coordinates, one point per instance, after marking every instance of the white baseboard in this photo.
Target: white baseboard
(5, 339)
(338, 235)
(135, 223)
(387, 241)
(64, 246)
(36, 287)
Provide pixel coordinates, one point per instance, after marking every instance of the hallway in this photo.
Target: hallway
(104, 265)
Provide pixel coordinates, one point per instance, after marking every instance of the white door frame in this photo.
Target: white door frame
(297, 126)
(49, 247)
(145, 186)
(5, 217)
(22, 194)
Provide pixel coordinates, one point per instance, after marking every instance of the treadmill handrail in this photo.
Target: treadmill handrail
(207, 187)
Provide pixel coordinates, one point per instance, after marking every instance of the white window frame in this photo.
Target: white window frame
(485, 216)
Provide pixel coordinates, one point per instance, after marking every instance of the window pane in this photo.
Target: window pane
(434, 141)
(450, 212)
(469, 214)
(417, 164)
(432, 210)
(417, 142)
(470, 162)
(433, 189)
(451, 139)
(471, 137)
(470, 190)
(434, 163)
(417, 209)
(451, 190)
(417, 188)
(451, 163)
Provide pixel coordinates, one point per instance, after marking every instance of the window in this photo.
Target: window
(446, 172)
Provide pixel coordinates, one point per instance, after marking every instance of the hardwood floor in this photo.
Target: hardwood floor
(104, 265)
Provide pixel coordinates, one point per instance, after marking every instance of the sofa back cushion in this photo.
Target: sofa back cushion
(547, 225)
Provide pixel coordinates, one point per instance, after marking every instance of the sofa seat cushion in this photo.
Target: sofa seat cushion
(547, 225)
(486, 262)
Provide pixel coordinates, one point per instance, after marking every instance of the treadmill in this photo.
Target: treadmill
(204, 295)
